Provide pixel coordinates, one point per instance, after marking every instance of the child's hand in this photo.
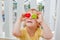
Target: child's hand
(22, 17)
(40, 19)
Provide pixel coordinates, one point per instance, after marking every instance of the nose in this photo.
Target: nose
(30, 18)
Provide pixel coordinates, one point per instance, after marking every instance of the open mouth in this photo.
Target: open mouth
(29, 21)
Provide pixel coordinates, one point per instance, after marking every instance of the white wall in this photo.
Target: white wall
(6, 12)
(1, 22)
(52, 13)
(46, 11)
(57, 29)
(33, 4)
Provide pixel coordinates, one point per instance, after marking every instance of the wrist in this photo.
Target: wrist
(41, 22)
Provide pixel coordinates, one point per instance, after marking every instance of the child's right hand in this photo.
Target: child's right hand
(22, 18)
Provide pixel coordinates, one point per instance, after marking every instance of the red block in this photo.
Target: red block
(27, 15)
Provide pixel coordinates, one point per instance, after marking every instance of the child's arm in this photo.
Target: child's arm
(47, 34)
(16, 30)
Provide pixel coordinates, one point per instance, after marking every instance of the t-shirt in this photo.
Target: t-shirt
(25, 35)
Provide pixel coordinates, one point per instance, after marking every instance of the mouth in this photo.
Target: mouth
(29, 21)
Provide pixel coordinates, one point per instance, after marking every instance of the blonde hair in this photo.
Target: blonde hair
(33, 10)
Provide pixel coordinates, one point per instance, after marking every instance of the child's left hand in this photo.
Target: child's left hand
(40, 18)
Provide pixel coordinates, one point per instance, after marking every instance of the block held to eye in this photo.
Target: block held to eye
(34, 16)
(27, 15)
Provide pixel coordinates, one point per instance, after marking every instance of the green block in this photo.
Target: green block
(34, 16)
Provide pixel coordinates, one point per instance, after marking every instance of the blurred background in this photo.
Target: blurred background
(11, 10)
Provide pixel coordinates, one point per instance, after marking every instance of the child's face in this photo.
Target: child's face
(31, 19)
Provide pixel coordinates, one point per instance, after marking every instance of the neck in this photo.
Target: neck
(31, 29)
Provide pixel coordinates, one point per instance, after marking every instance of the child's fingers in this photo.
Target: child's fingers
(23, 17)
(38, 13)
(39, 18)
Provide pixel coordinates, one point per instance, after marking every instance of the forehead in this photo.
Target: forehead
(30, 11)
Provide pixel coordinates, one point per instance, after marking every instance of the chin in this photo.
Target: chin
(29, 25)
